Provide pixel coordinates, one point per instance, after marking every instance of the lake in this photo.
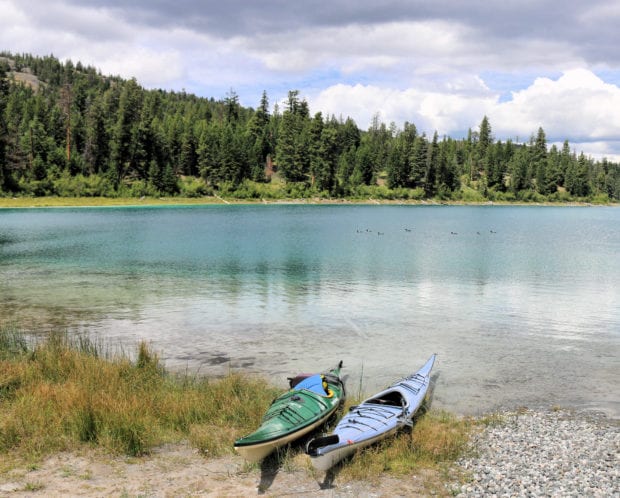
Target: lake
(521, 304)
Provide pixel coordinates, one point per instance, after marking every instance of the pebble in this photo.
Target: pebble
(544, 453)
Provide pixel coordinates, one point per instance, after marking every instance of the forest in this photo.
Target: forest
(67, 130)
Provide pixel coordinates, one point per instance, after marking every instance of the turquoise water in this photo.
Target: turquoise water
(522, 304)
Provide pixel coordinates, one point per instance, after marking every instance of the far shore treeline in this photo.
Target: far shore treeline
(67, 130)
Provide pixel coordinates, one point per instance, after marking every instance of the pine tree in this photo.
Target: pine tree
(125, 130)
(96, 149)
(257, 136)
(208, 152)
(326, 178)
(188, 162)
(419, 161)
(363, 169)
(485, 139)
(539, 161)
(291, 151)
(577, 177)
(518, 168)
(430, 177)
(4, 94)
(447, 179)
(553, 174)
(398, 165)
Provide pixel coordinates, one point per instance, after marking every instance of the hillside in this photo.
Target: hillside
(68, 130)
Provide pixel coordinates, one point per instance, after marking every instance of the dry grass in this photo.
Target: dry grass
(436, 440)
(68, 393)
(62, 393)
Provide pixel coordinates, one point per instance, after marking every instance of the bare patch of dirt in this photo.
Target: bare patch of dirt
(178, 470)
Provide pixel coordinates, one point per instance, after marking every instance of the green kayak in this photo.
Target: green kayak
(309, 403)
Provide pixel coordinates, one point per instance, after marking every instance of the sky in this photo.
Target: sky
(442, 65)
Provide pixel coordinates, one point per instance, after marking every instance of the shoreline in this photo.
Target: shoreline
(523, 453)
(87, 202)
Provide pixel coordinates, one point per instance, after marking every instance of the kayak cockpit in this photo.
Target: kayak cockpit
(388, 398)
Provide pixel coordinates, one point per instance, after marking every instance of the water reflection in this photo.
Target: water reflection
(516, 316)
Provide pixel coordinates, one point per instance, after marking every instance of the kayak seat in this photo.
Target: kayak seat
(293, 381)
(314, 384)
(393, 398)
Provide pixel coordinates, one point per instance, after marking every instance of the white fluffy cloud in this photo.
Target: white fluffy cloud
(578, 106)
(441, 65)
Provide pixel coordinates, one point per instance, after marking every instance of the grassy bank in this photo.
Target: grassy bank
(67, 392)
(28, 202)
(43, 202)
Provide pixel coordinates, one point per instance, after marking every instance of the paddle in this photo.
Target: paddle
(320, 442)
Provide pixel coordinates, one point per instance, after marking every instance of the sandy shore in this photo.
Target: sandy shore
(552, 453)
(178, 470)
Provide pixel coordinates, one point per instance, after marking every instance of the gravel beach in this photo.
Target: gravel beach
(554, 453)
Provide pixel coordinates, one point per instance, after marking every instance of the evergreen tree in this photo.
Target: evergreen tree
(430, 177)
(447, 179)
(259, 145)
(553, 173)
(189, 158)
(208, 152)
(346, 171)
(232, 106)
(125, 130)
(539, 161)
(4, 95)
(485, 139)
(313, 136)
(349, 135)
(291, 151)
(79, 122)
(419, 161)
(379, 144)
(326, 178)
(363, 169)
(96, 148)
(577, 177)
(484, 146)
(567, 161)
(518, 168)
(397, 166)
(495, 166)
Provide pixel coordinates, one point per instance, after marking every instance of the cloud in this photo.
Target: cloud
(578, 106)
(442, 65)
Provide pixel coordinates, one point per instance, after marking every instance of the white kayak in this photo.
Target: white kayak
(372, 420)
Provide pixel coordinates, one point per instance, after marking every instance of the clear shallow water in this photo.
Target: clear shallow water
(522, 304)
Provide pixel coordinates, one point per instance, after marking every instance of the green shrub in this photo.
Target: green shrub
(600, 199)
(194, 187)
(469, 194)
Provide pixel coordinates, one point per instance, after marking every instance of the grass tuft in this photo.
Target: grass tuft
(68, 391)
(437, 439)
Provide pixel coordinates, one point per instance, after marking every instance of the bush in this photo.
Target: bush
(530, 196)
(247, 190)
(83, 186)
(600, 199)
(468, 194)
(194, 187)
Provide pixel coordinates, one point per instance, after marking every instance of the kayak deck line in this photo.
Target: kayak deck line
(374, 419)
